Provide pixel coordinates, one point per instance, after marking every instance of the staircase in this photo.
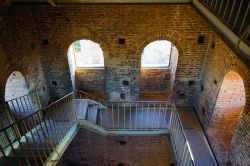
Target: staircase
(42, 137)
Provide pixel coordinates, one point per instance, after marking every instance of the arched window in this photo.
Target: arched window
(87, 54)
(15, 86)
(156, 54)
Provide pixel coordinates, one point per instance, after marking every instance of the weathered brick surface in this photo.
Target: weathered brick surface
(220, 61)
(154, 81)
(90, 80)
(24, 48)
(139, 25)
(19, 52)
(89, 148)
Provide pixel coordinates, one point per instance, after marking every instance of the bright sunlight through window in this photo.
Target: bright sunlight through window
(87, 54)
(156, 54)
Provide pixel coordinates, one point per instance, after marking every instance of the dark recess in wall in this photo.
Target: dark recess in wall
(122, 96)
(126, 83)
(122, 41)
(45, 42)
(201, 39)
(54, 83)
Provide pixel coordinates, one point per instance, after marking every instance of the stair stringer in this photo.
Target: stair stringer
(63, 145)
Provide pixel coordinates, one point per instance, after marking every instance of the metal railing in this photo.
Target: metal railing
(139, 115)
(32, 139)
(234, 13)
(84, 95)
(179, 141)
(23, 106)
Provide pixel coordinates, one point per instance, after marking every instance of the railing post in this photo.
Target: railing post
(38, 101)
(118, 116)
(124, 118)
(130, 118)
(106, 108)
(153, 117)
(113, 116)
(142, 110)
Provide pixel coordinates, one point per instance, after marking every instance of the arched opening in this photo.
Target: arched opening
(226, 114)
(86, 62)
(16, 86)
(20, 102)
(158, 66)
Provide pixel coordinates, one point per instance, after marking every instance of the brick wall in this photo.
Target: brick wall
(37, 38)
(221, 60)
(19, 49)
(19, 52)
(154, 81)
(89, 148)
(90, 80)
(139, 25)
(226, 114)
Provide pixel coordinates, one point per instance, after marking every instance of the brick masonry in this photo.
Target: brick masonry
(36, 39)
(219, 62)
(89, 148)
(64, 25)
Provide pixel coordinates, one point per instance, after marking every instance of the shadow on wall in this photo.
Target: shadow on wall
(226, 114)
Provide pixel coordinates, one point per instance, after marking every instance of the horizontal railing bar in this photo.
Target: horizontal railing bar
(95, 97)
(17, 98)
(41, 110)
(57, 101)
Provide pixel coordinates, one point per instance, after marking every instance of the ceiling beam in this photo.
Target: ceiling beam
(54, 2)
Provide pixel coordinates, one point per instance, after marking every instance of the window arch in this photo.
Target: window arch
(156, 54)
(86, 54)
(16, 86)
(226, 115)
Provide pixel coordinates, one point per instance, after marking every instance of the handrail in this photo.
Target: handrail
(93, 97)
(42, 109)
(207, 140)
(163, 101)
(134, 115)
(57, 101)
(178, 138)
(51, 124)
(45, 128)
(228, 20)
(22, 106)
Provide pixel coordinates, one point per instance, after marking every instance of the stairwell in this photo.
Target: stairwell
(42, 137)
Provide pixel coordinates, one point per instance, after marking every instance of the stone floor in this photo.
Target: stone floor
(91, 149)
